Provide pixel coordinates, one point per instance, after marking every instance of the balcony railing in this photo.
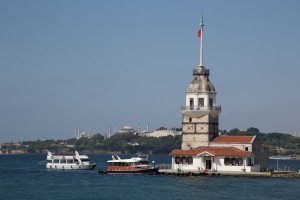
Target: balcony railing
(200, 72)
(201, 108)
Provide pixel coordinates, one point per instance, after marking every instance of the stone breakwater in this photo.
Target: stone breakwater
(233, 174)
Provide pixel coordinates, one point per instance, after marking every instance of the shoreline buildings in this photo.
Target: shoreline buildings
(202, 148)
(160, 132)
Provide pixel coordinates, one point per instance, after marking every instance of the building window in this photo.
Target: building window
(210, 102)
(226, 161)
(233, 161)
(241, 161)
(191, 103)
(190, 119)
(190, 160)
(246, 148)
(184, 160)
(250, 162)
(177, 160)
(200, 102)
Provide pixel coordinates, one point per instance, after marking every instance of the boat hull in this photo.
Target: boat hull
(71, 166)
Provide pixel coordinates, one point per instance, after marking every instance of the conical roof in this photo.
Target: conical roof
(201, 82)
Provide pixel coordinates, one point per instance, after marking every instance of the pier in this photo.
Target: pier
(280, 174)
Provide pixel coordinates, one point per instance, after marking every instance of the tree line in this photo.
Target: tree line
(129, 143)
(277, 143)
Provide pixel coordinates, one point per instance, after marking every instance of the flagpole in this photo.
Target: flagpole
(201, 41)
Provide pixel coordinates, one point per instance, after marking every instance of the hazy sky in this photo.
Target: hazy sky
(91, 64)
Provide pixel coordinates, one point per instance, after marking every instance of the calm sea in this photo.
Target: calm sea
(22, 178)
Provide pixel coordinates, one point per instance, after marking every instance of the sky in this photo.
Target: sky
(94, 64)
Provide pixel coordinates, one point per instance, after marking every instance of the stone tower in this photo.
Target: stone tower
(200, 115)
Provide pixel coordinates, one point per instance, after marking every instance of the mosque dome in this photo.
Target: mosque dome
(127, 127)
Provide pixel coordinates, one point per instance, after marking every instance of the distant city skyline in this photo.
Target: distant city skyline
(92, 64)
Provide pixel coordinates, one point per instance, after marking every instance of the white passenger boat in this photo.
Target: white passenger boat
(134, 165)
(69, 162)
(280, 158)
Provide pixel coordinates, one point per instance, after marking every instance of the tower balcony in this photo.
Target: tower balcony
(200, 72)
(198, 111)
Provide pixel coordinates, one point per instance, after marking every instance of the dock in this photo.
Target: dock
(281, 174)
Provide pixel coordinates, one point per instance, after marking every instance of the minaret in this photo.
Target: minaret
(200, 115)
(109, 131)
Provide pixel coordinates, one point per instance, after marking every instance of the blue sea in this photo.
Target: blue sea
(22, 178)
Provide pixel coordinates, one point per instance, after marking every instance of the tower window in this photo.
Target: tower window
(210, 102)
(191, 103)
(200, 102)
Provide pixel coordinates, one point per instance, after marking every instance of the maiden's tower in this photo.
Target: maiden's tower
(202, 148)
(200, 115)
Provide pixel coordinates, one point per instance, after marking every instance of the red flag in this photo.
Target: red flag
(199, 33)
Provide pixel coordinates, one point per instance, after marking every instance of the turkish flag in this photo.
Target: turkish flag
(199, 33)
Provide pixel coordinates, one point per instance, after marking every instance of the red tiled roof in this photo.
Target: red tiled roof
(234, 139)
(215, 151)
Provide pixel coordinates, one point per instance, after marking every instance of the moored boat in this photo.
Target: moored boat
(134, 165)
(69, 162)
(280, 157)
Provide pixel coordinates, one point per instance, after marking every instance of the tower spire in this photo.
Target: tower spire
(200, 35)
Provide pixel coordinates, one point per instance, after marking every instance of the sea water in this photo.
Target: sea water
(22, 178)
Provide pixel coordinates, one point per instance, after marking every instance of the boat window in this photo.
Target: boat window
(63, 161)
(76, 161)
(49, 161)
(85, 160)
(55, 161)
(144, 162)
(70, 161)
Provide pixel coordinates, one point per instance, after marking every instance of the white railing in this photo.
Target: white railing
(201, 108)
(200, 72)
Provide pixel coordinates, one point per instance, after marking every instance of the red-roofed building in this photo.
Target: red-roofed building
(224, 153)
(234, 139)
(213, 159)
